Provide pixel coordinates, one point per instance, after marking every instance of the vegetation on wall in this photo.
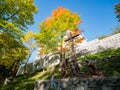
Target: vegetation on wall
(107, 60)
(115, 31)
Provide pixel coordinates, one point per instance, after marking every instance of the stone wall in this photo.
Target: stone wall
(83, 49)
(48, 61)
(99, 45)
(81, 84)
(87, 48)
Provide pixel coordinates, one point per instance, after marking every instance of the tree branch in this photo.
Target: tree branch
(13, 15)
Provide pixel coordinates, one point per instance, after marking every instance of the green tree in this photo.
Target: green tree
(117, 10)
(53, 28)
(103, 36)
(15, 15)
(12, 53)
(117, 30)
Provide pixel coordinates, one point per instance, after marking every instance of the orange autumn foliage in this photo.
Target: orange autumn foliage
(40, 52)
(78, 22)
(75, 14)
(79, 40)
(55, 13)
(47, 21)
(58, 12)
(63, 50)
(76, 31)
(57, 24)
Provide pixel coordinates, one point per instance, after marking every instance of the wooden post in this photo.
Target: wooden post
(75, 66)
(73, 49)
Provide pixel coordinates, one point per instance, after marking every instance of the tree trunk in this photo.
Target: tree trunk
(25, 67)
(13, 69)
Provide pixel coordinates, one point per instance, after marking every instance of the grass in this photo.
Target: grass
(101, 55)
(109, 61)
(27, 81)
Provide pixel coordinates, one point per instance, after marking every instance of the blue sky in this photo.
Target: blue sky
(98, 16)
